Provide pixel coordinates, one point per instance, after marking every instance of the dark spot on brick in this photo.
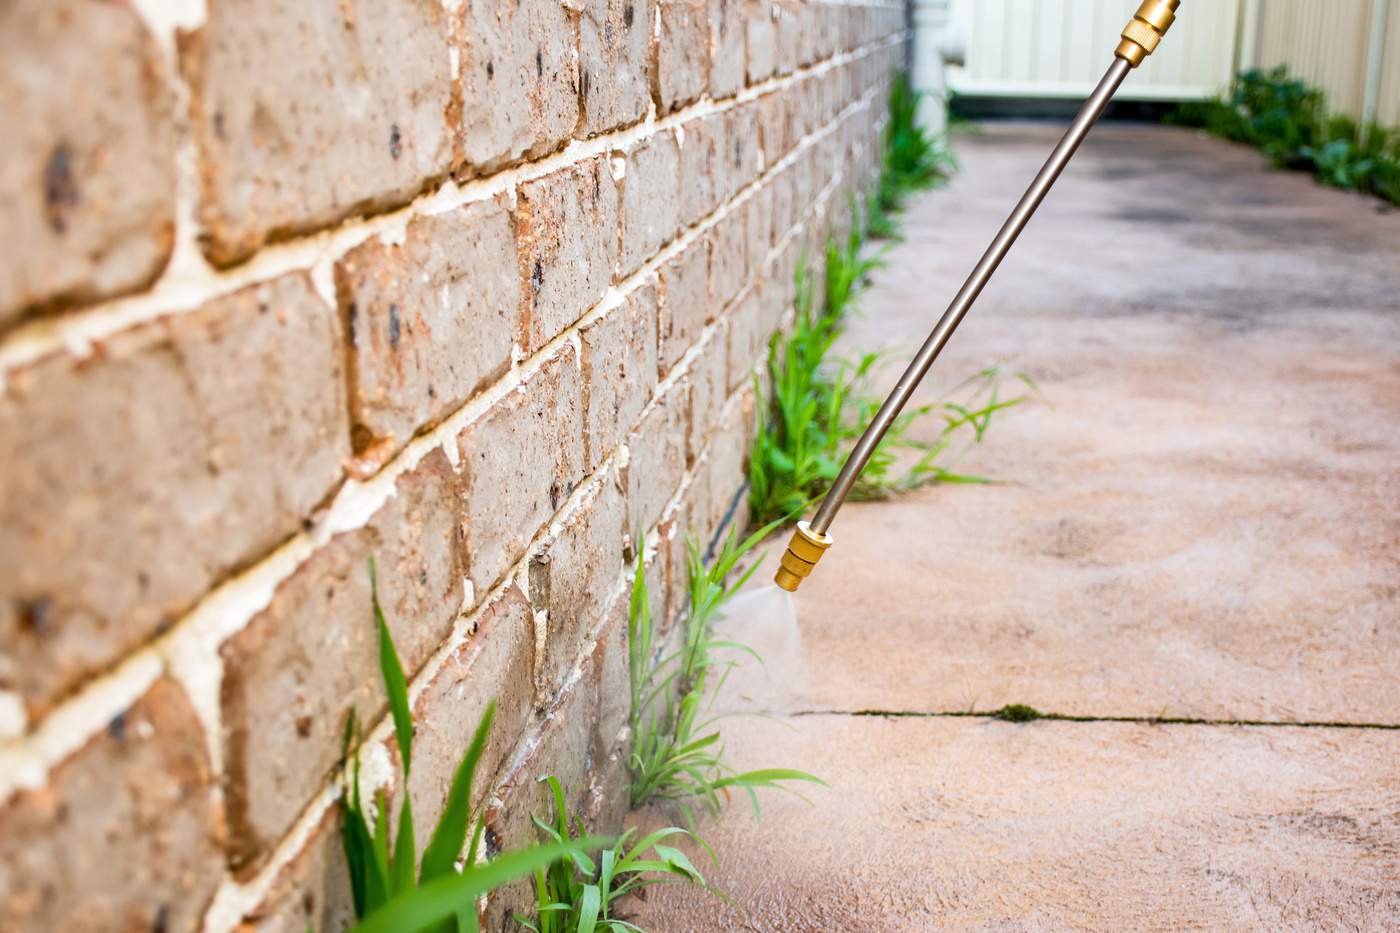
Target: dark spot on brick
(432, 393)
(607, 35)
(539, 64)
(304, 726)
(423, 577)
(493, 843)
(394, 326)
(539, 582)
(143, 579)
(584, 83)
(117, 727)
(537, 277)
(60, 188)
(307, 524)
(162, 922)
(627, 16)
(395, 141)
(164, 625)
(37, 615)
(219, 125)
(308, 903)
(264, 307)
(490, 70)
(554, 493)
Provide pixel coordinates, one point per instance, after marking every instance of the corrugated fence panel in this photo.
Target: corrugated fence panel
(1323, 41)
(1060, 48)
(1389, 110)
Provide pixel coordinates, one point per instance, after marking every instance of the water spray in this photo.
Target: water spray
(1139, 39)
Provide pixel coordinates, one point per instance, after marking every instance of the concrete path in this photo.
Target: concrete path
(1204, 527)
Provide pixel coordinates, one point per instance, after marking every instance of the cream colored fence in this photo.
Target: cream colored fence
(1059, 48)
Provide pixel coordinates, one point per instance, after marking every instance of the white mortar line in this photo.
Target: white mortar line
(191, 649)
(189, 281)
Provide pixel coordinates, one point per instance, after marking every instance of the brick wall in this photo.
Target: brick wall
(476, 289)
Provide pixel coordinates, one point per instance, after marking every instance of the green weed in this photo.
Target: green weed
(676, 751)
(390, 893)
(1288, 120)
(575, 895)
(1018, 712)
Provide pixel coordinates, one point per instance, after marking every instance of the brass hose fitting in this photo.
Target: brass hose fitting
(803, 552)
(1149, 24)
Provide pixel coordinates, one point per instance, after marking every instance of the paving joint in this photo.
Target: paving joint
(1062, 717)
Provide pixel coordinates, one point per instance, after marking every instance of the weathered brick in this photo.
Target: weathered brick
(787, 28)
(684, 306)
(126, 836)
(828, 29)
(574, 579)
(430, 320)
(135, 479)
(308, 112)
(613, 77)
(682, 54)
(783, 216)
(650, 199)
(727, 24)
(614, 671)
(773, 127)
(728, 464)
(519, 98)
(728, 259)
(295, 672)
(705, 391)
(806, 29)
(746, 339)
(778, 288)
(761, 41)
(619, 371)
(656, 458)
(519, 463)
(312, 891)
(87, 154)
(742, 153)
(568, 246)
(760, 225)
(830, 94)
(703, 148)
(496, 662)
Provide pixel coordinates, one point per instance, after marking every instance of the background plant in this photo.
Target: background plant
(575, 895)
(911, 159)
(1288, 120)
(390, 893)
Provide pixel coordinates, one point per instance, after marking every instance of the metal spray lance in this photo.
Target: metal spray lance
(1140, 37)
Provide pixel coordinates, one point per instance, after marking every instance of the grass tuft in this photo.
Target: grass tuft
(1018, 712)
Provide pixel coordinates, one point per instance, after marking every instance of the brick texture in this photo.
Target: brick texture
(87, 154)
(650, 200)
(308, 112)
(619, 371)
(135, 479)
(430, 321)
(614, 43)
(125, 837)
(682, 67)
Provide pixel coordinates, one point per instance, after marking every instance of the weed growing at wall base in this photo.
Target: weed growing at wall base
(390, 893)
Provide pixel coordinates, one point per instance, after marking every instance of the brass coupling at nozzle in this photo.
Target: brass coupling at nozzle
(803, 552)
(1150, 23)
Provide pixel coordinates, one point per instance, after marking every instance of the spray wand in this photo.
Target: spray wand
(1140, 38)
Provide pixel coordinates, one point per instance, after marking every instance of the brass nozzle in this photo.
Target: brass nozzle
(803, 552)
(1149, 24)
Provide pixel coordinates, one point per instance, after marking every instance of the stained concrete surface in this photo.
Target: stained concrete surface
(1199, 519)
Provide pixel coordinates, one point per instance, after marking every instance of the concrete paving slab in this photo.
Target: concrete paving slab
(1202, 518)
(941, 823)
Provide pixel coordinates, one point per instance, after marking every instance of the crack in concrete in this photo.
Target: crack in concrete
(1061, 717)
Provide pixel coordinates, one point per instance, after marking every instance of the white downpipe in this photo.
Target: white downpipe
(935, 47)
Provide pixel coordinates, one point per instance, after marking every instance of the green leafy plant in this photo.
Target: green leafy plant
(676, 753)
(911, 159)
(577, 895)
(1288, 120)
(390, 893)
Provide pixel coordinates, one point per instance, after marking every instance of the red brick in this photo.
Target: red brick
(682, 54)
(430, 321)
(729, 462)
(787, 26)
(619, 371)
(496, 662)
(87, 179)
(520, 461)
(742, 153)
(747, 339)
(729, 257)
(568, 246)
(827, 37)
(135, 479)
(703, 147)
(705, 384)
(614, 671)
(759, 225)
(773, 127)
(295, 672)
(783, 216)
(306, 113)
(656, 458)
(126, 836)
(684, 306)
(650, 199)
(613, 63)
(312, 891)
(573, 581)
(518, 94)
(728, 25)
(761, 42)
